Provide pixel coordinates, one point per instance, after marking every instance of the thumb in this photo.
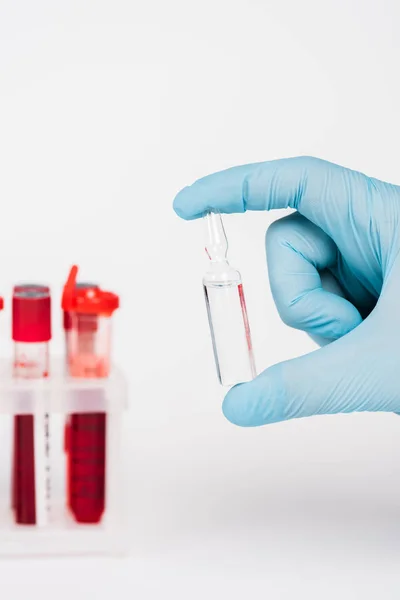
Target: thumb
(353, 373)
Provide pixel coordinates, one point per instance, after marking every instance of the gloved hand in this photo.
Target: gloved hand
(347, 228)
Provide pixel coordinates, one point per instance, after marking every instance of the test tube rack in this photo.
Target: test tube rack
(53, 398)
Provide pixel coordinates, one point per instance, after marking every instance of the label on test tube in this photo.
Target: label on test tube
(42, 469)
(226, 309)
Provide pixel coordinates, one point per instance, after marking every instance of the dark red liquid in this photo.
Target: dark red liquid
(23, 474)
(86, 442)
(66, 450)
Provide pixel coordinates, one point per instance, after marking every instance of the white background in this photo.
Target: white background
(107, 108)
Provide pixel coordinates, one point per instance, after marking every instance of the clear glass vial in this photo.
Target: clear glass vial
(226, 308)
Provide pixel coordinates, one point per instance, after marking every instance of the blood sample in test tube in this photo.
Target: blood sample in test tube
(91, 321)
(31, 332)
(88, 356)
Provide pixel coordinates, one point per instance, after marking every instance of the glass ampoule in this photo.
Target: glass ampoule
(226, 309)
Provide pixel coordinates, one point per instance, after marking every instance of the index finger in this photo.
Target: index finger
(316, 188)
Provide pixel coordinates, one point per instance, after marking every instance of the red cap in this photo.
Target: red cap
(31, 314)
(1, 303)
(67, 319)
(91, 301)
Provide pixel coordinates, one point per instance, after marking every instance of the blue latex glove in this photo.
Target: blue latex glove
(347, 228)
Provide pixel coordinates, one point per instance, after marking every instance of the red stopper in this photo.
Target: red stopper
(31, 319)
(91, 301)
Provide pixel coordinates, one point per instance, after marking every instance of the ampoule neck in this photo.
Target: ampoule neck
(216, 242)
(218, 264)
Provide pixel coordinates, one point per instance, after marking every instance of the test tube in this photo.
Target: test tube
(89, 345)
(226, 309)
(31, 332)
(91, 322)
